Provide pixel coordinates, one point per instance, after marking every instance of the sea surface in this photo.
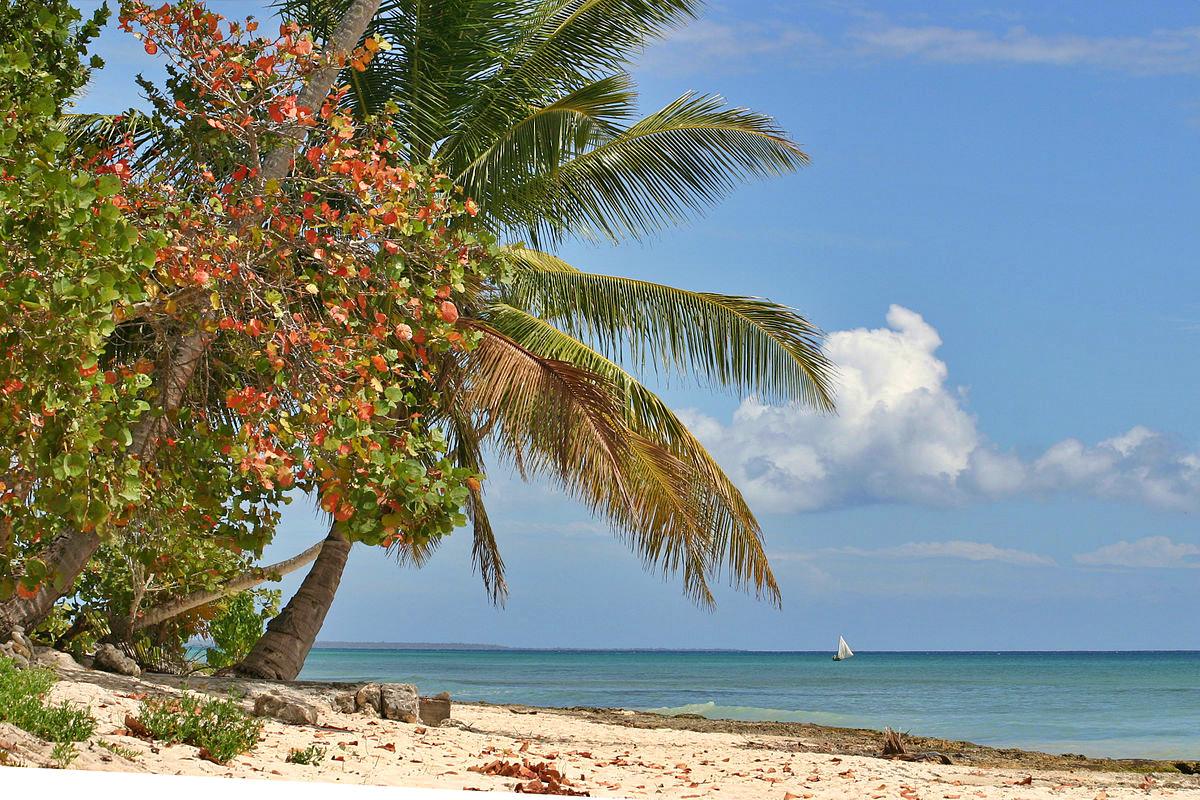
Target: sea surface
(1132, 704)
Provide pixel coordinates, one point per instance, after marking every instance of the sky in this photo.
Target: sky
(998, 231)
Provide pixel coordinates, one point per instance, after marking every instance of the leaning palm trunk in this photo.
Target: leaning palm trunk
(247, 580)
(68, 555)
(280, 653)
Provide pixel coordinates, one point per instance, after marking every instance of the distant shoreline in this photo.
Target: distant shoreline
(467, 646)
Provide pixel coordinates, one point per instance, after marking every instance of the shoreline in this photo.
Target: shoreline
(603, 751)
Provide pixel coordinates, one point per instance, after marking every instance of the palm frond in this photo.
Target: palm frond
(541, 139)
(737, 537)
(742, 343)
(672, 163)
(559, 44)
(554, 420)
(466, 451)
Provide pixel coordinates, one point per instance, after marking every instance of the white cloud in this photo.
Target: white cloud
(967, 551)
(1152, 551)
(1160, 51)
(732, 44)
(902, 435)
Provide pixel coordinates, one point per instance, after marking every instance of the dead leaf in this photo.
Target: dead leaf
(135, 727)
(207, 756)
(391, 748)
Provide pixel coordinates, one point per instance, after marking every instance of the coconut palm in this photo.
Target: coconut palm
(527, 104)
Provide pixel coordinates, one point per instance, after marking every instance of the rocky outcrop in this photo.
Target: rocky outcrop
(285, 709)
(55, 659)
(18, 648)
(110, 659)
(367, 700)
(399, 701)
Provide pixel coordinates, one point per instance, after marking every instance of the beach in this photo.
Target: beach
(601, 752)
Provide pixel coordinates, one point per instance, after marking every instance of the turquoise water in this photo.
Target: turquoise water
(1141, 704)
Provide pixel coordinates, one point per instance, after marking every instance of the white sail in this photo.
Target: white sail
(844, 650)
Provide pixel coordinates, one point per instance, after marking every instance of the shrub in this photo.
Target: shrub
(240, 626)
(218, 727)
(23, 703)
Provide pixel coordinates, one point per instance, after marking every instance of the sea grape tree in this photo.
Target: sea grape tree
(191, 341)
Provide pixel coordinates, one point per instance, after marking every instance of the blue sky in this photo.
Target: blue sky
(998, 229)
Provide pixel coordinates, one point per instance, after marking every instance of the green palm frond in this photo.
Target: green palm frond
(737, 536)
(559, 44)
(742, 343)
(537, 142)
(672, 163)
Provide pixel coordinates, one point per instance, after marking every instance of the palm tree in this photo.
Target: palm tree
(527, 104)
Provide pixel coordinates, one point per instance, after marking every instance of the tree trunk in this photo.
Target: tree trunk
(68, 555)
(281, 651)
(247, 580)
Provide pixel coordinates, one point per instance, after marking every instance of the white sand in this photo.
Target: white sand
(603, 759)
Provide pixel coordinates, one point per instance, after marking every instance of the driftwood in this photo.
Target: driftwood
(893, 748)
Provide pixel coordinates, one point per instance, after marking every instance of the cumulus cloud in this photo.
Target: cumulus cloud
(1152, 551)
(902, 434)
(958, 549)
(1160, 51)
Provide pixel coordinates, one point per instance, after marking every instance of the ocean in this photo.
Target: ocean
(1130, 704)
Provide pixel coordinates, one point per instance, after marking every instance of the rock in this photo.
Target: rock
(344, 702)
(21, 644)
(285, 709)
(435, 710)
(55, 659)
(399, 701)
(9, 651)
(367, 700)
(110, 659)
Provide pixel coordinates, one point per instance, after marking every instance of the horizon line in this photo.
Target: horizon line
(479, 646)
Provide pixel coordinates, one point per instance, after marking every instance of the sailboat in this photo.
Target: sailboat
(844, 650)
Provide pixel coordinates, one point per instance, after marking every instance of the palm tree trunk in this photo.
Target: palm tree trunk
(281, 651)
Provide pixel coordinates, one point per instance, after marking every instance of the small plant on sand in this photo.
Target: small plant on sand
(63, 754)
(126, 753)
(313, 754)
(218, 727)
(23, 703)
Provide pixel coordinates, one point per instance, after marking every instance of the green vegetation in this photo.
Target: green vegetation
(118, 750)
(313, 754)
(218, 727)
(235, 631)
(409, 330)
(23, 703)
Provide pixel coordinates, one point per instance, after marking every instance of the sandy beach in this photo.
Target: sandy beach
(604, 753)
